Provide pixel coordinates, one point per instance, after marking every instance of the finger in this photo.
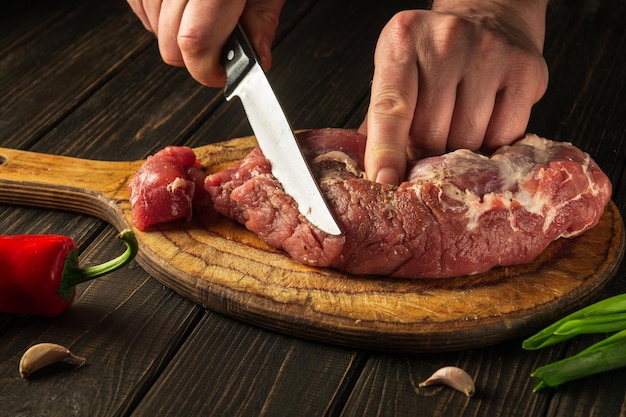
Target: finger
(513, 106)
(260, 20)
(442, 62)
(152, 10)
(139, 9)
(168, 28)
(472, 112)
(433, 115)
(392, 106)
(508, 121)
(205, 26)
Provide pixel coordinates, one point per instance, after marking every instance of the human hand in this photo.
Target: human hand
(192, 33)
(450, 78)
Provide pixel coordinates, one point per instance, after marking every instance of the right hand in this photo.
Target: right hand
(192, 33)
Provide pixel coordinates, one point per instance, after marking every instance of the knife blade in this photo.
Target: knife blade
(246, 79)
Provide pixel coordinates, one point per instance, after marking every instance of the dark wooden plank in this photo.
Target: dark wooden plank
(389, 385)
(598, 395)
(144, 108)
(62, 64)
(23, 20)
(584, 102)
(246, 371)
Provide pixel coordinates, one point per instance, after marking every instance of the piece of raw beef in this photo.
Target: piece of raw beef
(457, 214)
(168, 186)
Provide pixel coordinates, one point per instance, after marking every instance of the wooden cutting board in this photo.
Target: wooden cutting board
(229, 270)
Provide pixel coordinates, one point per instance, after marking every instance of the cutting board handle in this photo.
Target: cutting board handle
(98, 188)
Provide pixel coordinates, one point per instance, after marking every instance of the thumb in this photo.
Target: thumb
(260, 18)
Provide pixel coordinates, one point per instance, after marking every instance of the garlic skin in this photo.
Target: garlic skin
(44, 354)
(453, 377)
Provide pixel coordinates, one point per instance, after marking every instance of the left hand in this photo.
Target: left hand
(445, 81)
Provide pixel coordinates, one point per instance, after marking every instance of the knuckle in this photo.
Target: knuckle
(525, 90)
(527, 77)
(391, 104)
(190, 43)
(400, 35)
(402, 23)
(196, 56)
(387, 150)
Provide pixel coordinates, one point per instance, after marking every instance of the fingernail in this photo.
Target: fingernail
(388, 176)
(265, 54)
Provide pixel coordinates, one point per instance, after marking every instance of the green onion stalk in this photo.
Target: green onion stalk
(605, 316)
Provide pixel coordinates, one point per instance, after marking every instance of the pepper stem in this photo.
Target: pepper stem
(73, 274)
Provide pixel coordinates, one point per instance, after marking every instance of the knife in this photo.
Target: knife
(246, 79)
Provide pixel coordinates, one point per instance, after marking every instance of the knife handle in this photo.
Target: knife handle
(238, 56)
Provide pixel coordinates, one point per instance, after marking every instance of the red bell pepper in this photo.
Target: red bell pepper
(39, 273)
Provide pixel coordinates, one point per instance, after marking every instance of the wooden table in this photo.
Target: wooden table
(85, 79)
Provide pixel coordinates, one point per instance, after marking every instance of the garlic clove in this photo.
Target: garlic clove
(44, 354)
(453, 377)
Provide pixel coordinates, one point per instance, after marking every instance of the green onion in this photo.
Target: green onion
(603, 356)
(605, 316)
(611, 306)
(595, 324)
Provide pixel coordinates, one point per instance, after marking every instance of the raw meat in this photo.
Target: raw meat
(457, 214)
(168, 186)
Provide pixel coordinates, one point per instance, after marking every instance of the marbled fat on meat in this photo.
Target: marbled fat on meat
(457, 214)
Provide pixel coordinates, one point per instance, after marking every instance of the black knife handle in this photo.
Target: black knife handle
(238, 56)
